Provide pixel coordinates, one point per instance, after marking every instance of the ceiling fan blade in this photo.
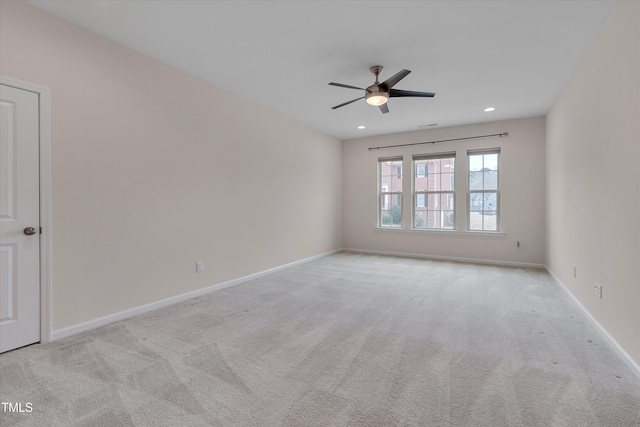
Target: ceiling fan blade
(347, 86)
(394, 93)
(393, 80)
(346, 103)
(384, 108)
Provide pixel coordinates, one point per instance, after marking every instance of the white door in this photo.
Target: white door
(19, 219)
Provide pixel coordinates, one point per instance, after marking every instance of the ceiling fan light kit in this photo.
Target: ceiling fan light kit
(376, 98)
(379, 93)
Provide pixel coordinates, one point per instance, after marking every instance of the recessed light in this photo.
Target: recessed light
(489, 109)
(361, 127)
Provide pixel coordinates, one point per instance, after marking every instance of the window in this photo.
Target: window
(433, 186)
(390, 192)
(483, 190)
(431, 190)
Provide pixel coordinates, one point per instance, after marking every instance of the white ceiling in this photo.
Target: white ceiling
(513, 55)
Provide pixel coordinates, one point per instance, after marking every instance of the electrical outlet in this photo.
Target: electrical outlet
(597, 290)
(199, 266)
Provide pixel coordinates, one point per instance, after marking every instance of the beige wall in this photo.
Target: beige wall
(522, 193)
(153, 169)
(593, 179)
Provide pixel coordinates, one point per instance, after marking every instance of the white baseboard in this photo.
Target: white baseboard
(102, 321)
(448, 258)
(626, 357)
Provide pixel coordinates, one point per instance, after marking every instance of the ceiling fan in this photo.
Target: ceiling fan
(379, 93)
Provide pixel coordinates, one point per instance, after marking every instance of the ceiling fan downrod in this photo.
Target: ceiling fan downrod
(376, 70)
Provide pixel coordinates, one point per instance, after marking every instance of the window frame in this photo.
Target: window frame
(427, 193)
(396, 172)
(483, 191)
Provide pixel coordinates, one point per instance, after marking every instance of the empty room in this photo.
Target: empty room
(319, 213)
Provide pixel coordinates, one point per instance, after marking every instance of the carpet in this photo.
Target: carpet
(345, 340)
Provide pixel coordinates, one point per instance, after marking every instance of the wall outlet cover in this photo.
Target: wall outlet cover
(597, 290)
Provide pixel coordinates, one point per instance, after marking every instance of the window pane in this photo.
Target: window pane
(432, 201)
(483, 208)
(391, 212)
(475, 209)
(490, 223)
(448, 164)
(396, 210)
(448, 219)
(391, 175)
(434, 165)
(490, 162)
(446, 181)
(490, 203)
(475, 162)
(420, 220)
(476, 180)
(433, 180)
(394, 183)
(446, 201)
(490, 179)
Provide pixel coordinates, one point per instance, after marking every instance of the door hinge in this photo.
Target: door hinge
(40, 230)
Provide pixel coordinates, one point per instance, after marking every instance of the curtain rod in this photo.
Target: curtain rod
(442, 140)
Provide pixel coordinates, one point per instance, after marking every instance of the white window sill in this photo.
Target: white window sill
(443, 232)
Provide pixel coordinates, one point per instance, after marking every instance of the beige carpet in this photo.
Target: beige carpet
(346, 340)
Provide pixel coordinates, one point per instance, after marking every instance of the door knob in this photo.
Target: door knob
(30, 231)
